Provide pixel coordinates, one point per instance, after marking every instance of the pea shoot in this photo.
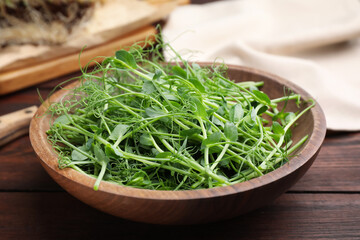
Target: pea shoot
(138, 121)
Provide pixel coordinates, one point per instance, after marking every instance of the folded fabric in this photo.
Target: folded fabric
(290, 38)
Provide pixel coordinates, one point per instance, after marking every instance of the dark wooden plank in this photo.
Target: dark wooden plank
(22, 99)
(295, 216)
(20, 170)
(337, 167)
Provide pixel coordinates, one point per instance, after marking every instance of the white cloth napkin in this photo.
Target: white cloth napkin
(305, 42)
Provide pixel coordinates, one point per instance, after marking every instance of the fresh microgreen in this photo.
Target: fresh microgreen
(138, 121)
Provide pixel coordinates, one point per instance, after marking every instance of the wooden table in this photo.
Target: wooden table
(325, 203)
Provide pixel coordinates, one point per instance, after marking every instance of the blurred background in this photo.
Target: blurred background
(313, 44)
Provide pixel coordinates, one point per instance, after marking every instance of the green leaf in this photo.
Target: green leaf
(280, 115)
(276, 137)
(210, 111)
(153, 113)
(288, 135)
(173, 105)
(216, 121)
(119, 131)
(88, 144)
(230, 131)
(236, 113)
(289, 117)
(225, 161)
(95, 128)
(213, 138)
(78, 156)
(199, 109)
(63, 119)
(257, 111)
(190, 132)
(262, 96)
(171, 97)
(262, 110)
(221, 111)
(156, 112)
(99, 154)
(183, 92)
(154, 151)
(277, 128)
(112, 152)
(157, 74)
(197, 84)
(126, 58)
(148, 87)
(249, 120)
(178, 71)
(145, 140)
(128, 149)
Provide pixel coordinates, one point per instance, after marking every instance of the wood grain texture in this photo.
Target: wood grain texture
(20, 170)
(24, 99)
(33, 74)
(292, 216)
(196, 206)
(337, 167)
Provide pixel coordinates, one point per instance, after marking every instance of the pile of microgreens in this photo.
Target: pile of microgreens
(137, 121)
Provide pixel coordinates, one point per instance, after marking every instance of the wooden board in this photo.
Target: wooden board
(41, 71)
(56, 215)
(337, 167)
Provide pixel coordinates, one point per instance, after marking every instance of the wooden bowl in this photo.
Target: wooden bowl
(190, 206)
